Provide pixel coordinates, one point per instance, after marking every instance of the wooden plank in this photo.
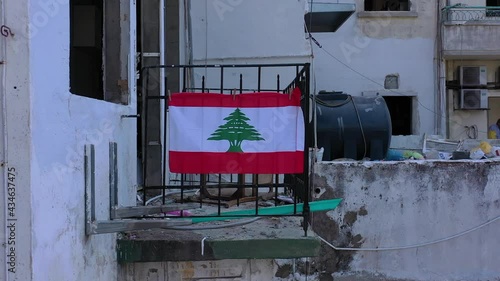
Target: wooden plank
(136, 211)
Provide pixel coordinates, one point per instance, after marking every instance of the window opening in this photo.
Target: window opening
(387, 5)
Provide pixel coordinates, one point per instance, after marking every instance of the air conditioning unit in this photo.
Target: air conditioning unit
(472, 75)
(474, 99)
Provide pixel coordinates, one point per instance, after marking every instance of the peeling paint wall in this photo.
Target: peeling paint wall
(47, 130)
(472, 38)
(393, 204)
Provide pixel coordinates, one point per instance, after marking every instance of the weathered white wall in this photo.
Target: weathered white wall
(458, 119)
(16, 255)
(395, 204)
(228, 29)
(61, 124)
(370, 47)
(248, 32)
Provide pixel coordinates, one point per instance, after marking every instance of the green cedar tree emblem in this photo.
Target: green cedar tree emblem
(236, 130)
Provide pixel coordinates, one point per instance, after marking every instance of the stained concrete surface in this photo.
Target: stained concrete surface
(393, 204)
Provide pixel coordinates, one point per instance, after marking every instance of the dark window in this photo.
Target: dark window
(95, 47)
(86, 65)
(387, 5)
(495, 12)
(400, 109)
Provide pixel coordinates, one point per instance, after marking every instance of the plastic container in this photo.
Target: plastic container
(352, 127)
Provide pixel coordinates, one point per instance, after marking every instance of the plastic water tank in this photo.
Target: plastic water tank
(352, 127)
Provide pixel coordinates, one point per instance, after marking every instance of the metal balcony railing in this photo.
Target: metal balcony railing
(224, 80)
(486, 14)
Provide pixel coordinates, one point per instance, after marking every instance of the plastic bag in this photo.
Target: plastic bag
(485, 147)
(477, 154)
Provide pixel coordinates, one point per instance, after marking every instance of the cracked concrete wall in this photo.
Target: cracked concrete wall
(393, 204)
(472, 39)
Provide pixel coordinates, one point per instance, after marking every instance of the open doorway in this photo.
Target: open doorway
(494, 112)
(401, 110)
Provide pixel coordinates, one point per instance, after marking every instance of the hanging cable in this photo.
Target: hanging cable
(471, 131)
(414, 245)
(239, 223)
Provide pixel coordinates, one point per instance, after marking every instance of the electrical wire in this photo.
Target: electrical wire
(239, 223)
(167, 194)
(414, 245)
(471, 131)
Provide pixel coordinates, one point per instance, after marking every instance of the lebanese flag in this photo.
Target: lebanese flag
(255, 133)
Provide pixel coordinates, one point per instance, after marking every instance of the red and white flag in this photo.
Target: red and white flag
(255, 133)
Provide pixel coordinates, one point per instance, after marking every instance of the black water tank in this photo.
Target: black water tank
(352, 127)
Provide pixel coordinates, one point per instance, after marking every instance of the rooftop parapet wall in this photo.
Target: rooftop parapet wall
(396, 204)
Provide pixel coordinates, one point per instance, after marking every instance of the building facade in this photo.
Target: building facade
(470, 61)
(407, 51)
(47, 120)
(69, 76)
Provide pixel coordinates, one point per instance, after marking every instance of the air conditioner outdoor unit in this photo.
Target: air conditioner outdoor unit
(474, 99)
(472, 75)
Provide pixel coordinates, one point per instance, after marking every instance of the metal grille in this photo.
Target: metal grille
(216, 189)
(479, 14)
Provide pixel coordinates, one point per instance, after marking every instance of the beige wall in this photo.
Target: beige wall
(420, 22)
(458, 119)
(494, 112)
